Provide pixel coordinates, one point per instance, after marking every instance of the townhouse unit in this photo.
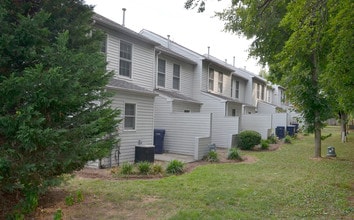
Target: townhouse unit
(131, 57)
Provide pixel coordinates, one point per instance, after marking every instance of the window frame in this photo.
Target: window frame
(161, 73)
(220, 82)
(128, 128)
(211, 75)
(176, 78)
(125, 62)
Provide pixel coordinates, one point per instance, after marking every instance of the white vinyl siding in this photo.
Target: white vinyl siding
(125, 62)
(176, 76)
(144, 123)
(143, 60)
(161, 73)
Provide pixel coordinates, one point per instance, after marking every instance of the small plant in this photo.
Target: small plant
(212, 156)
(233, 154)
(264, 144)
(58, 215)
(69, 200)
(144, 167)
(127, 169)
(157, 169)
(175, 167)
(287, 139)
(248, 139)
(272, 139)
(79, 196)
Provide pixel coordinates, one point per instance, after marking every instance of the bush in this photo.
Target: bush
(157, 169)
(175, 167)
(212, 156)
(264, 144)
(248, 139)
(272, 139)
(287, 139)
(144, 167)
(233, 154)
(127, 168)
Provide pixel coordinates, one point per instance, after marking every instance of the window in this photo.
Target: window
(130, 115)
(211, 79)
(235, 88)
(220, 82)
(161, 73)
(176, 76)
(258, 88)
(125, 62)
(262, 91)
(233, 113)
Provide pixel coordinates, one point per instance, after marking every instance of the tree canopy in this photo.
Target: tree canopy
(55, 113)
(307, 45)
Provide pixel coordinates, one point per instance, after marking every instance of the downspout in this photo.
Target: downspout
(156, 68)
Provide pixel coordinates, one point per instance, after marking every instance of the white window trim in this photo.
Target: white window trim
(162, 73)
(175, 77)
(135, 114)
(131, 61)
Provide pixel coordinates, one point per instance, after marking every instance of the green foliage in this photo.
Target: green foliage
(265, 144)
(69, 200)
(272, 139)
(144, 167)
(287, 139)
(248, 139)
(324, 137)
(157, 169)
(79, 196)
(127, 169)
(52, 77)
(175, 167)
(233, 154)
(212, 156)
(58, 215)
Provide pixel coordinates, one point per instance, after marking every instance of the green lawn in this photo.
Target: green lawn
(282, 184)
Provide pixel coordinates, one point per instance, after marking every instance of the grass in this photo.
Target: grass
(283, 184)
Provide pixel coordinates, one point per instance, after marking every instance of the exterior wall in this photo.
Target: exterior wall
(236, 106)
(262, 123)
(265, 108)
(144, 123)
(265, 124)
(201, 147)
(223, 128)
(186, 75)
(143, 56)
(181, 131)
(181, 106)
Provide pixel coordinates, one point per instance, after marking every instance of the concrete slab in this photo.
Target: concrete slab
(168, 157)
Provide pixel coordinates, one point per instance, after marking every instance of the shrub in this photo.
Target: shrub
(212, 156)
(144, 167)
(157, 169)
(175, 167)
(233, 154)
(287, 139)
(248, 139)
(264, 144)
(272, 139)
(127, 168)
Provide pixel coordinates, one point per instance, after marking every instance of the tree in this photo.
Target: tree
(55, 113)
(291, 37)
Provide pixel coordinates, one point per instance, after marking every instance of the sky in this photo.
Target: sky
(196, 31)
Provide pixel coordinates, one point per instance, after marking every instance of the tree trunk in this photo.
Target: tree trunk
(317, 139)
(343, 126)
